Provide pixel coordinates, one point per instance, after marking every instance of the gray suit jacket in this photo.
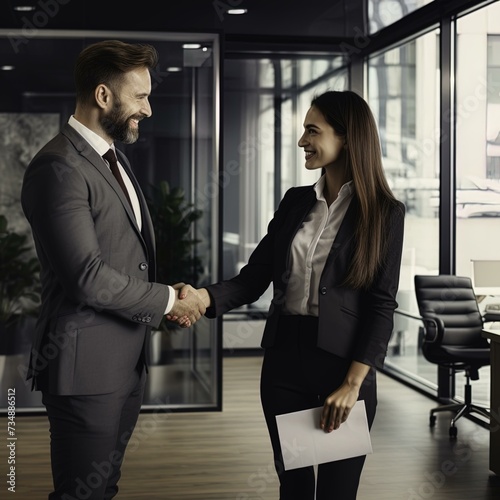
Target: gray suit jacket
(353, 324)
(99, 298)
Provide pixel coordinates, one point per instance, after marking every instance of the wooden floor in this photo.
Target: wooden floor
(226, 455)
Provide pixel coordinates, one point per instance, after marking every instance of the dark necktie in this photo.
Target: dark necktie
(113, 165)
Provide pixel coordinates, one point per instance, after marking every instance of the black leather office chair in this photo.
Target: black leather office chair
(452, 335)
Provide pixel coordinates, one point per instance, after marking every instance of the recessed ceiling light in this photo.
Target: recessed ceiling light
(7, 67)
(24, 8)
(237, 12)
(174, 69)
(191, 46)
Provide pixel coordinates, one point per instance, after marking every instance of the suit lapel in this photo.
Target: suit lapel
(302, 206)
(147, 224)
(91, 155)
(346, 229)
(298, 212)
(295, 212)
(343, 241)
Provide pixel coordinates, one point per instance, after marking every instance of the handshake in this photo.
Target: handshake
(189, 306)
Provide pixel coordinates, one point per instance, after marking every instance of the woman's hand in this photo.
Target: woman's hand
(337, 407)
(201, 292)
(339, 403)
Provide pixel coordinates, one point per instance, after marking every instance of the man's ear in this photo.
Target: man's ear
(102, 96)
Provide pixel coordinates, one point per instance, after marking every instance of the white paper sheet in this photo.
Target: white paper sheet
(304, 443)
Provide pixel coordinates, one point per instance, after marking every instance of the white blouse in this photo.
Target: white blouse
(310, 248)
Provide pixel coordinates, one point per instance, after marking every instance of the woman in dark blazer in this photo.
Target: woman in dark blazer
(333, 254)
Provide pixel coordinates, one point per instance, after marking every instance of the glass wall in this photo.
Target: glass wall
(382, 13)
(403, 92)
(265, 102)
(478, 136)
(478, 153)
(178, 151)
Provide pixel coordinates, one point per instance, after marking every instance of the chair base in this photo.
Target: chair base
(460, 410)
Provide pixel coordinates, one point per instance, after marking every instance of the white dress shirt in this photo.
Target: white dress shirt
(310, 248)
(101, 146)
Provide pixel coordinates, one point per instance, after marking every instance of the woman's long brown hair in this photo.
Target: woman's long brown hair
(351, 117)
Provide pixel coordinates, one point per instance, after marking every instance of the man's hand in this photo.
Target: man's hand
(188, 306)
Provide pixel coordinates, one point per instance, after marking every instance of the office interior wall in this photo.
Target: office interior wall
(178, 144)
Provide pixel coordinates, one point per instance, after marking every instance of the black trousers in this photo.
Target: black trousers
(89, 435)
(297, 375)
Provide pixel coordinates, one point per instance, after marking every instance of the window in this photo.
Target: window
(382, 13)
(403, 86)
(477, 137)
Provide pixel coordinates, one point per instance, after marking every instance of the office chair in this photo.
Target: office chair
(452, 335)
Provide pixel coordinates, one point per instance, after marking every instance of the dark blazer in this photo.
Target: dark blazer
(353, 324)
(99, 299)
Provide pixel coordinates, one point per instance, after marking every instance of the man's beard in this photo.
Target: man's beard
(118, 127)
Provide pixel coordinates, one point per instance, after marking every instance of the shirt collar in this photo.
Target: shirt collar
(346, 190)
(96, 141)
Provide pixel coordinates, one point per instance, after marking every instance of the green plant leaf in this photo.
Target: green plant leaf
(19, 276)
(173, 220)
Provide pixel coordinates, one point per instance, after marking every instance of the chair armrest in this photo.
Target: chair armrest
(427, 320)
(491, 317)
(439, 327)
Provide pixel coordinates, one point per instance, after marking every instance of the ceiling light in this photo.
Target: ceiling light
(237, 12)
(24, 8)
(174, 69)
(7, 67)
(191, 46)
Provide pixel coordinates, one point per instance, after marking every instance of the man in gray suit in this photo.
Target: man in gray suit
(95, 242)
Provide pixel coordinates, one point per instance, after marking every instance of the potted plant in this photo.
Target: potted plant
(19, 289)
(176, 259)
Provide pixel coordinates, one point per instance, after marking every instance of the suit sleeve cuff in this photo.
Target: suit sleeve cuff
(171, 299)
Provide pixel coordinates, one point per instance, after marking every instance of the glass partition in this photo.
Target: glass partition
(403, 92)
(178, 151)
(478, 157)
(265, 102)
(478, 136)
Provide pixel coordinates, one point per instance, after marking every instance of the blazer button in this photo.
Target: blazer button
(323, 290)
(143, 266)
